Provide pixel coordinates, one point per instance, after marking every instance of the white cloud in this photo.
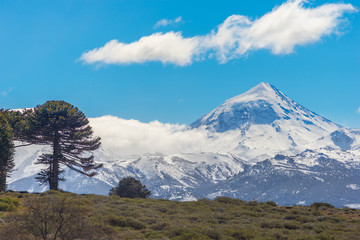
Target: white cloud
(162, 23)
(358, 110)
(167, 47)
(126, 137)
(281, 30)
(167, 22)
(178, 19)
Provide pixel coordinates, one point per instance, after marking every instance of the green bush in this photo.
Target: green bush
(242, 234)
(308, 226)
(130, 187)
(126, 222)
(160, 226)
(290, 217)
(318, 205)
(229, 200)
(212, 233)
(252, 203)
(9, 204)
(292, 226)
(191, 236)
(325, 237)
(271, 203)
(279, 236)
(271, 224)
(305, 219)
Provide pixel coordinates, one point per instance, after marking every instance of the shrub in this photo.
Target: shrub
(160, 226)
(212, 233)
(126, 222)
(318, 205)
(305, 219)
(325, 237)
(271, 225)
(308, 226)
(279, 236)
(290, 217)
(191, 236)
(242, 234)
(130, 187)
(291, 226)
(229, 200)
(271, 203)
(8, 204)
(252, 203)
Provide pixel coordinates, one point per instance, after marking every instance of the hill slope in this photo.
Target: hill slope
(100, 217)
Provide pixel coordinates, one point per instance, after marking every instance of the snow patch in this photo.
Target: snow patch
(353, 186)
(353, 205)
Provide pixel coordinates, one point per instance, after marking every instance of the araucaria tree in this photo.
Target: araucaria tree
(6, 151)
(67, 130)
(18, 122)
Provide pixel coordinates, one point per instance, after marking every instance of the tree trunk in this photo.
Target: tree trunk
(3, 179)
(54, 170)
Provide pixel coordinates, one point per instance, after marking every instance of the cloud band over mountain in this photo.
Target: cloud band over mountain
(280, 31)
(128, 137)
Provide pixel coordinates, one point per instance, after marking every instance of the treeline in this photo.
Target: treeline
(57, 124)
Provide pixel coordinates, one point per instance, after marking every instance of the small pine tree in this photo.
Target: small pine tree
(130, 187)
(6, 151)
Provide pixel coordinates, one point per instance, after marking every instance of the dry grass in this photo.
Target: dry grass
(102, 217)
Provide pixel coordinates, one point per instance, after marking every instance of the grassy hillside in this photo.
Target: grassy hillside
(55, 215)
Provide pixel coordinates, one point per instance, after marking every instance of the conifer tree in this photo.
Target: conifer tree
(67, 130)
(6, 151)
(19, 125)
(18, 122)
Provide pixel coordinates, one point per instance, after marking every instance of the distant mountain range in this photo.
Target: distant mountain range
(281, 151)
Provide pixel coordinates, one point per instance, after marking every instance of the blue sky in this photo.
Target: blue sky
(43, 44)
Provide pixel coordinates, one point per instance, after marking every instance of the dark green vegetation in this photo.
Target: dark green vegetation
(18, 123)
(6, 151)
(55, 215)
(55, 123)
(130, 187)
(67, 130)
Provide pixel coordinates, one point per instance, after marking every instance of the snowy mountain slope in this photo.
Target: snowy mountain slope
(264, 146)
(264, 104)
(302, 179)
(25, 158)
(347, 140)
(171, 176)
(269, 123)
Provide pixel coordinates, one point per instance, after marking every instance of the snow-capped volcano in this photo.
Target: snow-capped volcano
(262, 145)
(269, 123)
(264, 105)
